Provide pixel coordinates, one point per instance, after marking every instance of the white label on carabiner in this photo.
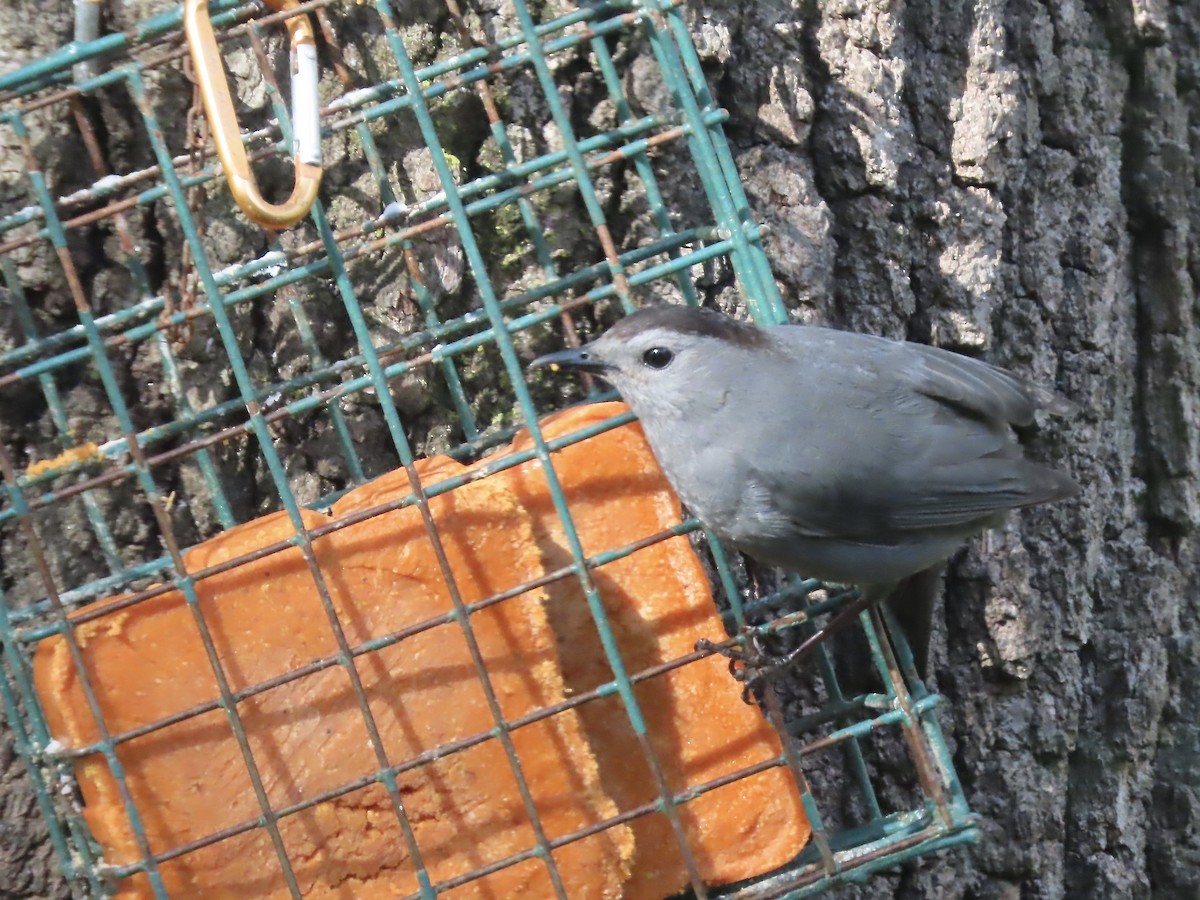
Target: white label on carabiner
(306, 117)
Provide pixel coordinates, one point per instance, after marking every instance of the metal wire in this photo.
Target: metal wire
(325, 250)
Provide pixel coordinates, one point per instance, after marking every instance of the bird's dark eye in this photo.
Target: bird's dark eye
(658, 357)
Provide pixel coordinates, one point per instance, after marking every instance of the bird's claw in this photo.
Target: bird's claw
(749, 663)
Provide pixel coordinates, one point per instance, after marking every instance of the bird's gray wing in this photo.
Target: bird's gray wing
(909, 460)
(978, 387)
(971, 385)
(912, 498)
(965, 466)
(896, 438)
(974, 491)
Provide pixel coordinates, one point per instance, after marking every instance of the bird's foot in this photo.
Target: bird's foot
(750, 662)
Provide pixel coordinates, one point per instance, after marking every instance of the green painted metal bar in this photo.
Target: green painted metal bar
(171, 375)
(854, 747)
(641, 162)
(319, 362)
(117, 447)
(557, 164)
(766, 305)
(112, 391)
(279, 477)
(513, 366)
(224, 12)
(91, 507)
(269, 261)
(181, 579)
(904, 850)
(25, 740)
(317, 359)
(929, 723)
(529, 215)
(579, 167)
(108, 752)
(85, 593)
(761, 294)
(155, 567)
(407, 459)
(382, 110)
(504, 65)
(153, 306)
(400, 442)
(583, 12)
(734, 598)
(458, 396)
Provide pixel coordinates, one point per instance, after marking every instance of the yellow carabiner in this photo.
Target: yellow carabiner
(222, 120)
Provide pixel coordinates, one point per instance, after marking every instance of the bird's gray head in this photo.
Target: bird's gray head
(665, 359)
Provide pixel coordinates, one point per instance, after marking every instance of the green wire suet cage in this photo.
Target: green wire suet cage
(167, 366)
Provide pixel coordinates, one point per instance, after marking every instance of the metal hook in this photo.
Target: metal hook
(218, 105)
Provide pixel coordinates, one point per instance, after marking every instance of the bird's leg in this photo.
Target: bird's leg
(749, 666)
(866, 597)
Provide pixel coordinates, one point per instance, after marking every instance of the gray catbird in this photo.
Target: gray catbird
(847, 457)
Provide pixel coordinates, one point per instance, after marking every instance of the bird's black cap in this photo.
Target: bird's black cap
(690, 320)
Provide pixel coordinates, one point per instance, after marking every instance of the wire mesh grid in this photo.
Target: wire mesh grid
(198, 372)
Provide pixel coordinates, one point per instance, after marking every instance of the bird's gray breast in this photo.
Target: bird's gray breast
(715, 481)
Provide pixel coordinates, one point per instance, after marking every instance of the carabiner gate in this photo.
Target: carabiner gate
(222, 120)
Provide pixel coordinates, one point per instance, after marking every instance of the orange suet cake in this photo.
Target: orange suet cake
(658, 602)
(308, 735)
(384, 576)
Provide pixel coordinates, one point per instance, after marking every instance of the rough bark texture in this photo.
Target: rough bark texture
(1009, 178)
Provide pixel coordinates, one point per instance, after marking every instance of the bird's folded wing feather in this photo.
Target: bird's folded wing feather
(901, 437)
(914, 498)
(978, 387)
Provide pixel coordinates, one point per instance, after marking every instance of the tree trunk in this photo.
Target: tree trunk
(1016, 180)
(1020, 179)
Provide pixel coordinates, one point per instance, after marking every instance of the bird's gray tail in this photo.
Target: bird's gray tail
(1045, 485)
(912, 602)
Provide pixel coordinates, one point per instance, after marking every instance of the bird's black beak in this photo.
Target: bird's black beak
(581, 358)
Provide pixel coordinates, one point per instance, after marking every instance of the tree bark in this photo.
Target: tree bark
(1017, 180)
(1020, 180)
